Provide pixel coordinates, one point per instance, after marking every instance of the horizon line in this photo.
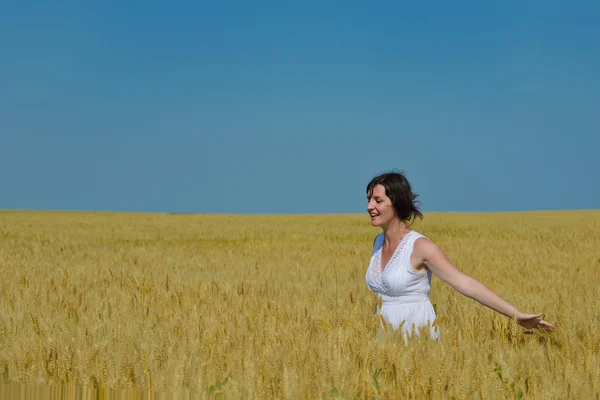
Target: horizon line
(282, 214)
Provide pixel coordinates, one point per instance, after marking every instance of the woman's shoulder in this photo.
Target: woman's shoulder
(418, 235)
(424, 245)
(420, 240)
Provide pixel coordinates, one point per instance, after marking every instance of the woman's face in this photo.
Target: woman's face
(380, 207)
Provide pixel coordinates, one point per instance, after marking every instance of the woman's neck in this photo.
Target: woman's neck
(395, 231)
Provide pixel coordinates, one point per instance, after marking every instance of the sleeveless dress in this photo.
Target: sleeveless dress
(403, 293)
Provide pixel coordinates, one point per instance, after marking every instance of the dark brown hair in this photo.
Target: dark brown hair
(398, 189)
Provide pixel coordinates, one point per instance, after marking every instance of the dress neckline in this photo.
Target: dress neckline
(395, 254)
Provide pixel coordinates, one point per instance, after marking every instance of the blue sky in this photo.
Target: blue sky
(291, 107)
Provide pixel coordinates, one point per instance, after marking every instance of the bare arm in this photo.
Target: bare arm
(434, 258)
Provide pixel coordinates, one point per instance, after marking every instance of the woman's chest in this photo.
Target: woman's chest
(397, 277)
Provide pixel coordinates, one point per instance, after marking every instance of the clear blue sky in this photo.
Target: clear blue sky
(291, 107)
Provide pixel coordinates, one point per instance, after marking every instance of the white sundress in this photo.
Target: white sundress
(403, 292)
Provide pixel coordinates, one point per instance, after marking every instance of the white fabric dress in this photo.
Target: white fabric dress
(402, 291)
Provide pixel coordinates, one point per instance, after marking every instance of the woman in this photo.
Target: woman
(403, 261)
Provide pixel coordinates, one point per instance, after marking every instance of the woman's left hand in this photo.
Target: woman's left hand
(530, 321)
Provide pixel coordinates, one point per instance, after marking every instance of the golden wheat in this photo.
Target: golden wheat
(277, 307)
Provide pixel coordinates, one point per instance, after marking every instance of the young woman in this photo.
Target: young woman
(403, 261)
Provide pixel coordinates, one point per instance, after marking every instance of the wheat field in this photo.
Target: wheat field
(224, 306)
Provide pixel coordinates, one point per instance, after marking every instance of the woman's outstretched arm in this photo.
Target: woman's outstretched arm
(435, 259)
